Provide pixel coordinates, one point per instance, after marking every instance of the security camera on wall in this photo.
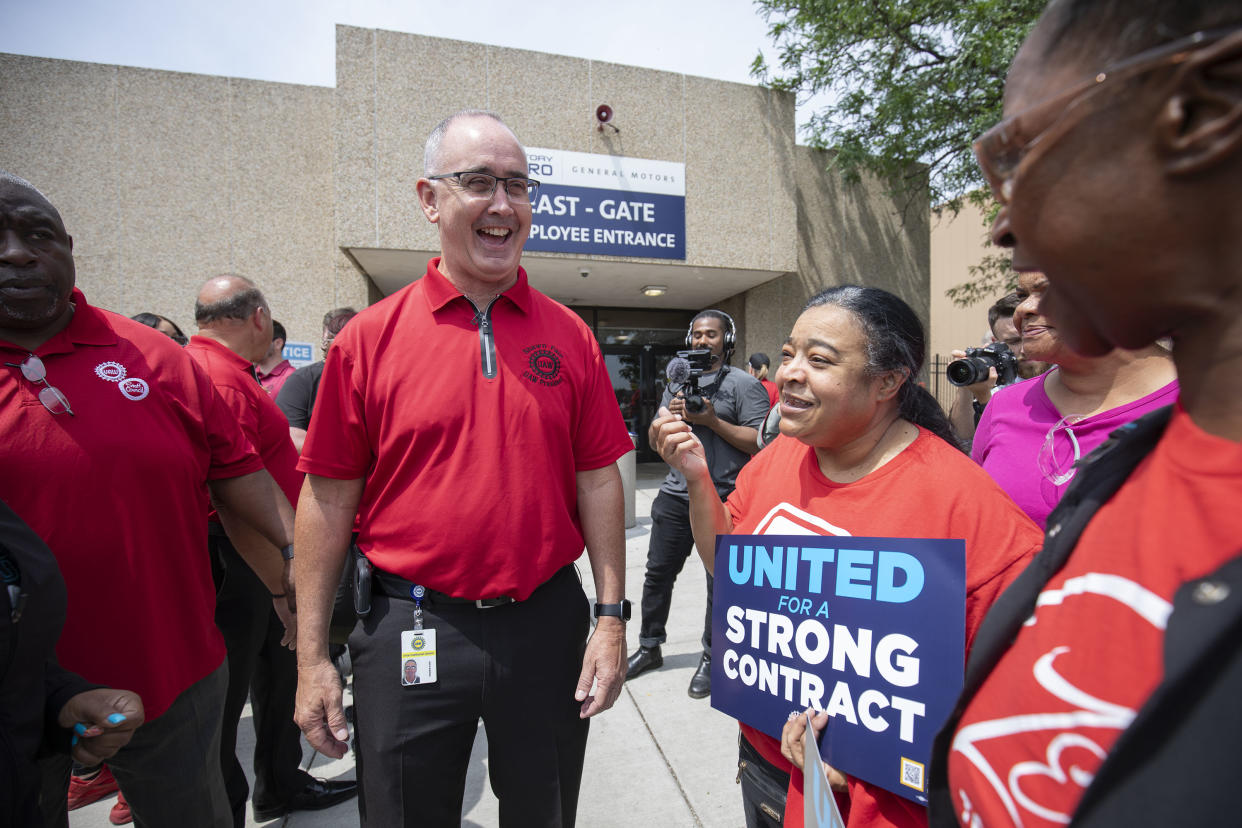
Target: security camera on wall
(584, 273)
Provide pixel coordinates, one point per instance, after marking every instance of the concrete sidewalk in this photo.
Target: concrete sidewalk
(657, 758)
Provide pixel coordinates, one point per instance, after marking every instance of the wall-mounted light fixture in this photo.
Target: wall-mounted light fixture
(654, 290)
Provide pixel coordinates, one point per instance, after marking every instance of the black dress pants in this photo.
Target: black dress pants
(671, 543)
(268, 672)
(515, 667)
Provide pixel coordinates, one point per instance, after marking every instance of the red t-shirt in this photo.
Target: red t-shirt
(117, 491)
(930, 490)
(770, 387)
(1045, 718)
(470, 485)
(263, 424)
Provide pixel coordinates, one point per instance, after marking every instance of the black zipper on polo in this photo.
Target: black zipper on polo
(487, 341)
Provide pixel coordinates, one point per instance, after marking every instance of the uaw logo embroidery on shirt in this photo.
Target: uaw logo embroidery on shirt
(110, 371)
(543, 364)
(132, 388)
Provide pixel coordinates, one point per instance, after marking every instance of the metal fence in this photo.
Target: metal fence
(937, 383)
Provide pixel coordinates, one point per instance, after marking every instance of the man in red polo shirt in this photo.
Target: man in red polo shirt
(115, 436)
(234, 326)
(273, 369)
(474, 497)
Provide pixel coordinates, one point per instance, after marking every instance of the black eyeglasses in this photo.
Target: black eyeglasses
(483, 185)
(53, 399)
(1004, 151)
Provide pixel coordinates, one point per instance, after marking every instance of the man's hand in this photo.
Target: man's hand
(290, 621)
(706, 416)
(604, 665)
(318, 710)
(981, 391)
(108, 718)
(793, 744)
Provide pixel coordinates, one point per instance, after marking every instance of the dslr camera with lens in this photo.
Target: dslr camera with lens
(684, 370)
(973, 367)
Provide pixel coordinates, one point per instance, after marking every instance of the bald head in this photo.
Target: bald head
(15, 183)
(431, 152)
(227, 297)
(36, 265)
(231, 309)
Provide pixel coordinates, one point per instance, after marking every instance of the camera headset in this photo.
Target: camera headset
(730, 334)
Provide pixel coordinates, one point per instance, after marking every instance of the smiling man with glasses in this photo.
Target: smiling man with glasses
(112, 439)
(469, 423)
(1103, 686)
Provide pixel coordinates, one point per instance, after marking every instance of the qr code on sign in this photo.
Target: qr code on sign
(912, 774)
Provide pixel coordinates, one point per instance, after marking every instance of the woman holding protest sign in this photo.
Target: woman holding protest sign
(863, 451)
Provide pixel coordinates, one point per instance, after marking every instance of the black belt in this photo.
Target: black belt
(394, 586)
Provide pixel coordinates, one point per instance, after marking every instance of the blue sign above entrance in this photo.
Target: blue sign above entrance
(607, 205)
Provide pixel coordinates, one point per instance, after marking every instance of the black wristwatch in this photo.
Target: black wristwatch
(621, 610)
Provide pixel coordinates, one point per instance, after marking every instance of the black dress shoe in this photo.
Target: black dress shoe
(647, 658)
(316, 796)
(701, 681)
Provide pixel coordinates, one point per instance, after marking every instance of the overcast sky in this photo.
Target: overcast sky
(294, 40)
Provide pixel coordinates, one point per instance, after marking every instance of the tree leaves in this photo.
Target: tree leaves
(909, 85)
(909, 80)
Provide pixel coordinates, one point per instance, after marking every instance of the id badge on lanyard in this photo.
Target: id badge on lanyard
(418, 646)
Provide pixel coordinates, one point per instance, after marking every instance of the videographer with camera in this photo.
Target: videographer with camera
(1031, 434)
(725, 408)
(979, 372)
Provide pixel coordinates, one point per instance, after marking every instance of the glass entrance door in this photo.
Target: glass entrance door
(637, 373)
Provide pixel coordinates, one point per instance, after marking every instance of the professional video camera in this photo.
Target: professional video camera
(683, 374)
(974, 366)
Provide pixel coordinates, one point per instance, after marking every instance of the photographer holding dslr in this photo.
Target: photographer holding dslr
(725, 407)
(1032, 433)
(979, 372)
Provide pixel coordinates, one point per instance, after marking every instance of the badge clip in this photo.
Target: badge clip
(417, 593)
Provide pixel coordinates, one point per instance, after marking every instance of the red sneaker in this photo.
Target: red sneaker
(120, 815)
(85, 791)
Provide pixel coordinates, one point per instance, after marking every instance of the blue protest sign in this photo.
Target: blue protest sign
(869, 630)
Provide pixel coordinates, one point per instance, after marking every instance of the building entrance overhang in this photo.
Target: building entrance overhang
(609, 282)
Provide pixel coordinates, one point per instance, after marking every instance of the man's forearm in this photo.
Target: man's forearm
(257, 500)
(962, 414)
(256, 550)
(601, 508)
(258, 519)
(742, 438)
(298, 436)
(325, 522)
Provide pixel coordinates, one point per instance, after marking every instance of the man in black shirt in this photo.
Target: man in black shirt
(297, 396)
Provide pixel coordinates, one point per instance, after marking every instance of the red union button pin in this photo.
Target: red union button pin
(134, 388)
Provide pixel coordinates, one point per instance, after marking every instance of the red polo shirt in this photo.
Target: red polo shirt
(118, 491)
(470, 480)
(274, 380)
(263, 424)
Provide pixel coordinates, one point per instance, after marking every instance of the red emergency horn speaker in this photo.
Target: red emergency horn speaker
(603, 114)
